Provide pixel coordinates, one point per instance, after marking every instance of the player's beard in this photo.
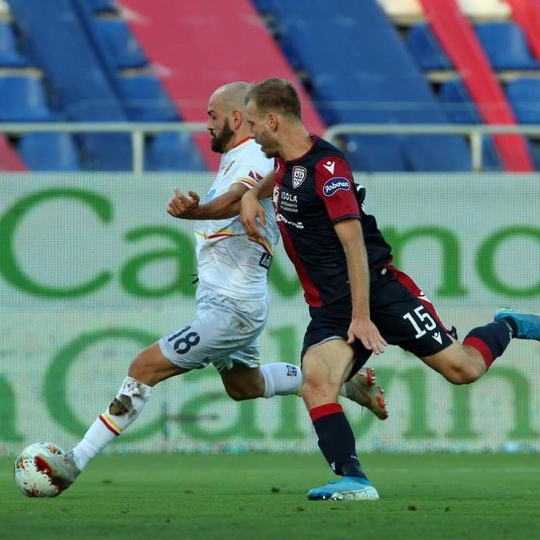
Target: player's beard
(268, 146)
(220, 142)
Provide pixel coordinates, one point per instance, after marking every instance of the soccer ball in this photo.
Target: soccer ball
(32, 474)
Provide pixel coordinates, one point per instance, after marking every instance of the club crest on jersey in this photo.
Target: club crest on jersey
(335, 184)
(299, 174)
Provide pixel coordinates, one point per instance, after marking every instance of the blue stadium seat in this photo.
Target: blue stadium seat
(102, 6)
(10, 55)
(170, 151)
(357, 84)
(23, 99)
(425, 48)
(376, 153)
(458, 103)
(461, 109)
(263, 6)
(49, 152)
(524, 97)
(82, 89)
(145, 99)
(119, 43)
(505, 45)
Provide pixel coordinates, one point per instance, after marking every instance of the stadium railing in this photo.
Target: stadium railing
(475, 133)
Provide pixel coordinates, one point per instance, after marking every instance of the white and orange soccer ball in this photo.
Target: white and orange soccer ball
(31, 472)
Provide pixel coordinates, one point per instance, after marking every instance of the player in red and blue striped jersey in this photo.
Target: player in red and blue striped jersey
(358, 301)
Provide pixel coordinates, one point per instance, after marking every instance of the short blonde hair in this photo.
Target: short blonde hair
(275, 94)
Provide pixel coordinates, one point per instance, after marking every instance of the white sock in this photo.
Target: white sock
(122, 412)
(281, 379)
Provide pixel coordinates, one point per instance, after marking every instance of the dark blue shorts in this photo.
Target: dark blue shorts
(403, 315)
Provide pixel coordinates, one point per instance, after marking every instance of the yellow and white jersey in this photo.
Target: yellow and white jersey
(228, 262)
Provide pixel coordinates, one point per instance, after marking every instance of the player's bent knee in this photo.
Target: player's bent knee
(459, 374)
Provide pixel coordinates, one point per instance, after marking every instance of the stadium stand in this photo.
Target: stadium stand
(24, 99)
(408, 12)
(488, 10)
(70, 64)
(527, 16)
(10, 56)
(118, 45)
(172, 151)
(379, 84)
(426, 49)
(49, 152)
(524, 96)
(458, 38)
(145, 98)
(131, 73)
(462, 110)
(193, 68)
(84, 67)
(102, 6)
(138, 88)
(505, 45)
(403, 12)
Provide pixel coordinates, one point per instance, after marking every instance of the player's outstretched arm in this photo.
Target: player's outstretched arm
(189, 207)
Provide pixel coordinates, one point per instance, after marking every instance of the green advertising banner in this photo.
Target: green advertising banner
(92, 269)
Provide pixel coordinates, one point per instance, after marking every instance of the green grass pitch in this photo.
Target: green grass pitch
(263, 496)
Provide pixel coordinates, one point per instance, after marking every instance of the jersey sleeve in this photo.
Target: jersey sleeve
(250, 179)
(251, 174)
(335, 186)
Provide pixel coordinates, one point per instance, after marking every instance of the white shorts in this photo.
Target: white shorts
(224, 332)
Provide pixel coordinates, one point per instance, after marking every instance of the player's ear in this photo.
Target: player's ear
(272, 121)
(237, 119)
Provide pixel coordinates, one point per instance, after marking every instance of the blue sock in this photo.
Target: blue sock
(336, 439)
(490, 340)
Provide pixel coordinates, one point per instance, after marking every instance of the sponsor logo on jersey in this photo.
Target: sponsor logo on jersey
(299, 174)
(281, 218)
(335, 184)
(290, 197)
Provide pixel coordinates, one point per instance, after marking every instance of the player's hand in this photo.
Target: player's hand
(364, 330)
(251, 212)
(183, 206)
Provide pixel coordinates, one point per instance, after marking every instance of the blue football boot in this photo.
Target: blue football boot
(349, 488)
(527, 324)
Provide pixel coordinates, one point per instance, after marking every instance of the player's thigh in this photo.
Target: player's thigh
(327, 363)
(453, 355)
(222, 327)
(457, 363)
(408, 321)
(330, 323)
(151, 367)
